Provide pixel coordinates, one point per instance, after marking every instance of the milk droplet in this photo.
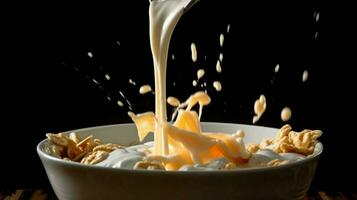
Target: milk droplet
(228, 28)
(193, 52)
(132, 82)
(128, 102)
(305, 75)
(255, 119)
(277, 67)
(218, 67)
(317, 17)
(107, 77)
(221, 57)
(120, 103)
(90, 54)
(221, 39)
(194, 83)
(121, 94)
(217, 85)
(95, 81)
(200, 73)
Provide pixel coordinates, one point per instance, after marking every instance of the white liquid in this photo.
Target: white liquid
(228, 28)
(194, 83)
(107, 77)
(188, 144)
(164, 16)
(90, 54)
(127, 158)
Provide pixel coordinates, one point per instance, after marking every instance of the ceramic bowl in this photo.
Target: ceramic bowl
(78, 181)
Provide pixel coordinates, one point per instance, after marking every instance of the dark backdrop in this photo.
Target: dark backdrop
(47, 77)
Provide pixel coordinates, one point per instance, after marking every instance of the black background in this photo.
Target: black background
(46, 74)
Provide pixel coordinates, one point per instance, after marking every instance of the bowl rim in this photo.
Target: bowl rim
(44, 155)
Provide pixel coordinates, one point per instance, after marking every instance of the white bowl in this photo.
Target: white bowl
(77, 181)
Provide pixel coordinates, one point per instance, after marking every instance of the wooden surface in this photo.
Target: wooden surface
(21, 194)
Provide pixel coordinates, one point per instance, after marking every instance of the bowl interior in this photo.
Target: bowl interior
(126, 134)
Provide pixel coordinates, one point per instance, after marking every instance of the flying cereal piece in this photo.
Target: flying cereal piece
(172, 101)
(145, 89)
(259, 108)
(285, 114)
